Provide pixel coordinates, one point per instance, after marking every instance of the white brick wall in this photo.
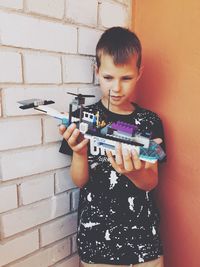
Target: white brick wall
(51, 8)
(75, 199)
(27, 217)
(87, 40)
(118, 11)
(36, 189)
(77, 69)
(46, 257)
(16, 133)
(71, 262)
(16, 4)
(28, 32)
(8, 196)
(63, 181)
(58, 229)
(10, 67)
(18, 247)
(31, 161)
(50, 126)
(47, 48)
(82, 11)
(41, 68)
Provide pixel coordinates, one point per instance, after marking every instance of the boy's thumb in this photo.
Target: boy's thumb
(62, 129)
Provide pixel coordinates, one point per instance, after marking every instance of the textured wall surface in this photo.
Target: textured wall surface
(47, 48)
(170, 85)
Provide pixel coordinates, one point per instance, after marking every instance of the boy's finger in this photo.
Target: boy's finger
(118, 157)
(62, 129)
(110, 157)
(136, 161)
(72, 141)
(158, 140)
(69, 131)
(128, 164)
(81, 145)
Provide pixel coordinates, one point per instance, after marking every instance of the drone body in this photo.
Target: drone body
(95, 129)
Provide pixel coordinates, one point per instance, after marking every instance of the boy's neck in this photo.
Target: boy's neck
(125, 110)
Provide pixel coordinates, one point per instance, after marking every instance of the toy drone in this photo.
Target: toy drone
(95, 129)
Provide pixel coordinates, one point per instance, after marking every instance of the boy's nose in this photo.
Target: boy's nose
(116, 86)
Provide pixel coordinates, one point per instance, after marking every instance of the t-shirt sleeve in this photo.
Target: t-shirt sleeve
(158, 132)
(65, 148)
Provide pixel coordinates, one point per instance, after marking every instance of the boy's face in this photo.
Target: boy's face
(120, 80)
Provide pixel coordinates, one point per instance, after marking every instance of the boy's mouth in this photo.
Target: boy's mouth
(116, 98)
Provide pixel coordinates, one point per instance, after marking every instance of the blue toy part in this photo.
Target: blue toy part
(154, 152)
(65, 122)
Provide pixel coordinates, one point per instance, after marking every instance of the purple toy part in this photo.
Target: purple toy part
(124, 127)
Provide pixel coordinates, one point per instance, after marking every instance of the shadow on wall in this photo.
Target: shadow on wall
(153, 93)
(149, 91)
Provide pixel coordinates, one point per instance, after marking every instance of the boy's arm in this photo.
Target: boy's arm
(79, 169)
(146, 178)
(79, 165)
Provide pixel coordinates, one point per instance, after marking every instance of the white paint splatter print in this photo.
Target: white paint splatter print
(90, 224)
(131, 204)
(153, 230)
(113, 179)
(140, 259)
(107, 235)
(89, 197)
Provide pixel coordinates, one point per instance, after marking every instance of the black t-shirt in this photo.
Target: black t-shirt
(118, 223)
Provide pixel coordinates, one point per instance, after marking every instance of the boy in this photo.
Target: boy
(118, 220)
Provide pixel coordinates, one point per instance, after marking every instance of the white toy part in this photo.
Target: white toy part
(83, 127)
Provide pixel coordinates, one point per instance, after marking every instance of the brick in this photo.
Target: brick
(75, 199)
(46, 257)
(58, 229)
(34, 214)
(0, 103)
(11, 95)
(15, 164)
(51, 8)
(125, 2)
(119, 16)
(18, 247)
(15, 31)
(74, 243)
(71, 262)
(63, 181)
(82, 11)
(17, 133)
(8, 196)
(88, 39)
(36, 189)
(77, 69)
(42, 68)
(10, 67)
(51, 132)
(17, 4)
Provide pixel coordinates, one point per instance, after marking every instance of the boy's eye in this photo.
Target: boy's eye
(127, 78)
(108, 78)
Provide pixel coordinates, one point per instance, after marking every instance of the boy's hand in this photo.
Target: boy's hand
(126, 162)
(74, 138)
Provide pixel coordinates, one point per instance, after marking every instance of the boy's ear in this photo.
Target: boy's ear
(96, 69)
(140, 72)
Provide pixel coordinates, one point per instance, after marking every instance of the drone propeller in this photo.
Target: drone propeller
(80, 95)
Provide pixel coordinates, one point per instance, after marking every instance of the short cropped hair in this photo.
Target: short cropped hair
(119, 43)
